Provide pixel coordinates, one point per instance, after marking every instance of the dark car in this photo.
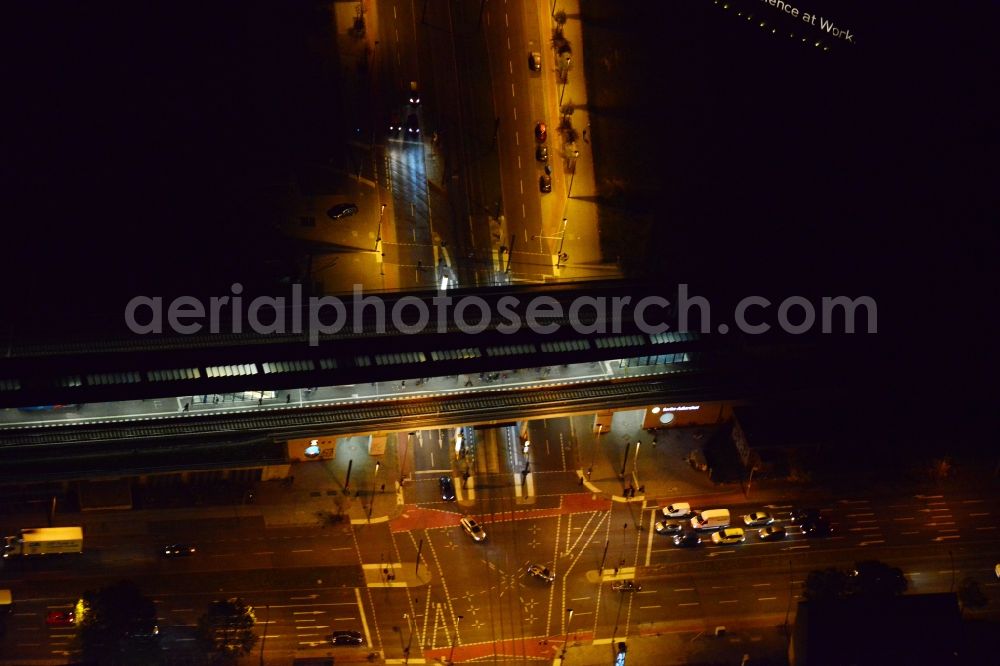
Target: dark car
(343, 210)
(544, 573)
(819, 527)
(413, 125)
(347, 638)
(686, 540)
(178, 550)
(668, 527)
(414, 95)
(541, 132)
(772, 533)
(545, 183)
(60, 619)
(535, 61)
(447, 488)
(542, 153)
(803, 515)
(395, 125)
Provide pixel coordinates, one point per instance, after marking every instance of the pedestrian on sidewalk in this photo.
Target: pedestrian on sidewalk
(187, 406)
(383, 488)
(288, 398)
(585, 136)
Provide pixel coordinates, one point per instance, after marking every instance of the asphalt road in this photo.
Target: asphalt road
(450, 590)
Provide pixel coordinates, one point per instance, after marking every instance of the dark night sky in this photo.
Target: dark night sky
(136, 134)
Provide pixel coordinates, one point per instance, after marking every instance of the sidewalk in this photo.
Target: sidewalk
(580, 241)
(662, 468)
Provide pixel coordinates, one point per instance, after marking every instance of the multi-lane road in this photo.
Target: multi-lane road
(418, 585)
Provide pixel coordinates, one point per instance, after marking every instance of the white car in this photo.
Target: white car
(473, 529)
(677, 510)
(757, 519)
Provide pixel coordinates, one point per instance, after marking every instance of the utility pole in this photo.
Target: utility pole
(569, 617)
(451, 658)
(604, 557)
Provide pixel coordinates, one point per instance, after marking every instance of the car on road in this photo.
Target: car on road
(757, 519)
(996, 571)
(819, 527)
(538, 571)
(347, 638)
(803, 515)
(541, 132)
(545, 183)
(535, 61)
(340, 211)
(412, 125)
(414, 96)
(473, 529)
(686, 540)
(178, 550)
(626, 586)
(772, 533)
(395, 125)
(447, 488)
(668, 527)
(542, 153)
(729, 535)
(65, 618)
(677, 510)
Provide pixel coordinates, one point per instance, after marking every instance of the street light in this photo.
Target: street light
(562, 239)
(451, 658)
(569, 616)
(371, 502)
(378, 233)
(409, 640)
(635, 461)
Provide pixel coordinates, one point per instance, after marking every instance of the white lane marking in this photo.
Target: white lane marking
(364, 619)
(510, 66)
(305, 550)
(729, 601)
(766, 598)
(692, 603)
(642, 607)
(991, 527)
(683, 589)
(512, 90)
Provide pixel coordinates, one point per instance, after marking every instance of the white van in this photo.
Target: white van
(712, 519)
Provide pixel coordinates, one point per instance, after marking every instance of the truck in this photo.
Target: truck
(711, 519)
(44, 541)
